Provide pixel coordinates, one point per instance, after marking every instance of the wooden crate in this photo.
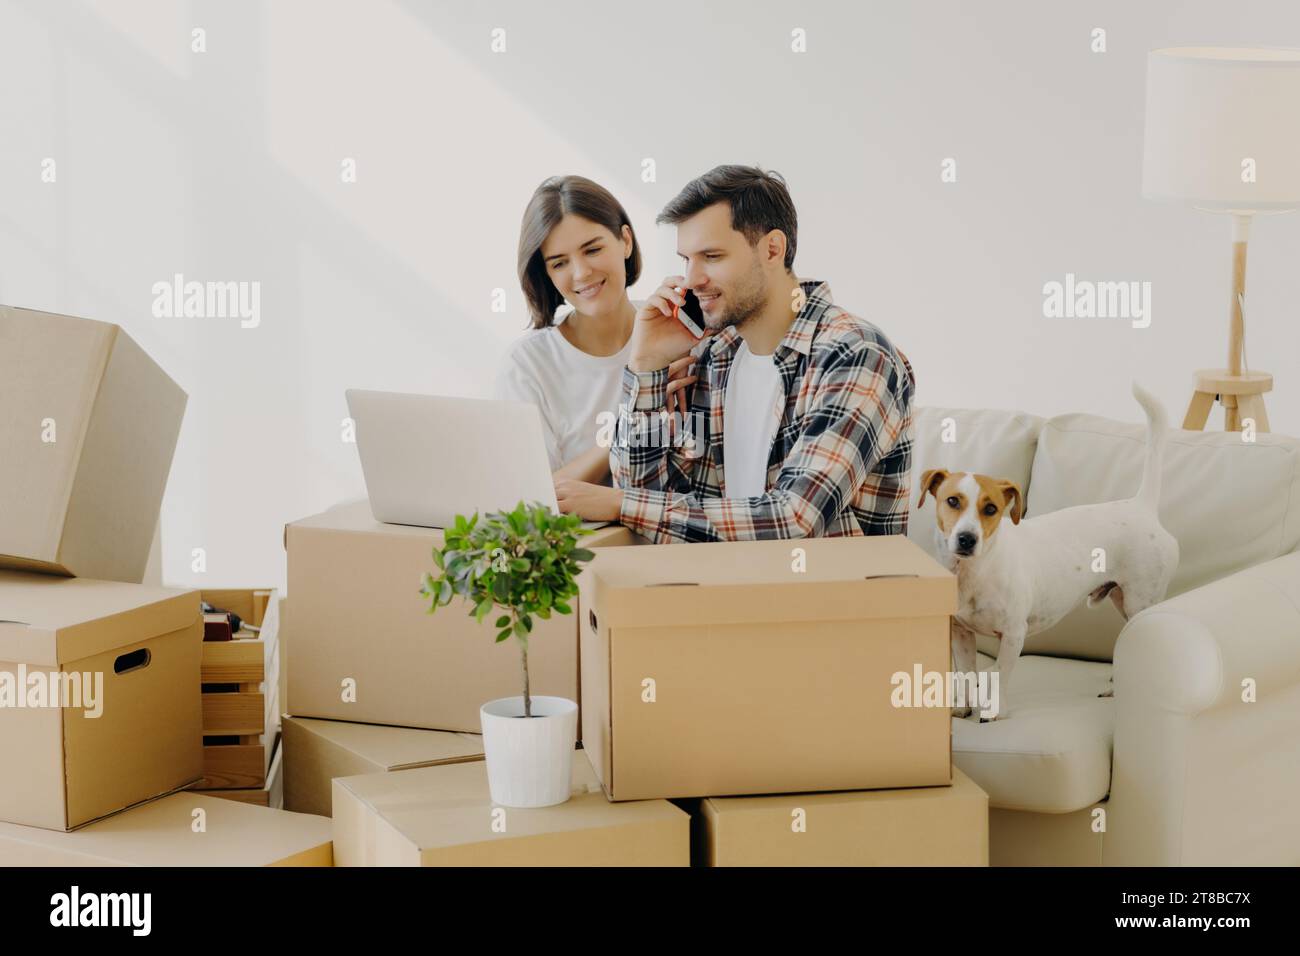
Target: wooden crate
(234, 713)
(240, 695)
(270, 794)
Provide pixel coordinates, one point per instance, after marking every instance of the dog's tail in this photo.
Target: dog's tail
(1157, 428)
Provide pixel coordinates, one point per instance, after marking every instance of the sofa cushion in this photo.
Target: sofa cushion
(1052, 754)
(984, 441)
(1231, 504)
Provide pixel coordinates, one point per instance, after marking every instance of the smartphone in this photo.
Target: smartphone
(690, 314)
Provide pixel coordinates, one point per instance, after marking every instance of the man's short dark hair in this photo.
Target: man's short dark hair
(759, 203)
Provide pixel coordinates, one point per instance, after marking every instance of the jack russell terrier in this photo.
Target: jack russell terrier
(1016, 580)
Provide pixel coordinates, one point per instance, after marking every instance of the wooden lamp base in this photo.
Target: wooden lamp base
(1240, 391)
(1242, 396)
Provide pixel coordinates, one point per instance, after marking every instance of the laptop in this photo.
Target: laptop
(428, 458)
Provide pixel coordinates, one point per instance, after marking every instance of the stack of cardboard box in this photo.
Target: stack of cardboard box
(787, 669)
(740, 703)
(382, 723)
(100, 712)
(705, 673)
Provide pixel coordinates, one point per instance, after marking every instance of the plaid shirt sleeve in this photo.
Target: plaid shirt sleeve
(640, 458)
(856, 411)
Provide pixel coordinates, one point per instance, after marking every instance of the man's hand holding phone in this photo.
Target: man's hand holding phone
(659, 336)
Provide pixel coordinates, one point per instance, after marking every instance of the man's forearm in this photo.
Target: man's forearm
(666, 517)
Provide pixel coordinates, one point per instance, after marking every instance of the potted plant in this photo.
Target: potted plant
(524, 563)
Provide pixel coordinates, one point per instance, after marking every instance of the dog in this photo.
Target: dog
(1015, 580)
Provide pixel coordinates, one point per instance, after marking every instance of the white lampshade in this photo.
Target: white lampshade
(1210, 108)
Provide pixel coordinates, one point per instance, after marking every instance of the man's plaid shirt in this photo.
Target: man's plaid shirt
(841, 458)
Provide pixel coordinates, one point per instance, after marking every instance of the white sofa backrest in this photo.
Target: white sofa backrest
(1231, 504)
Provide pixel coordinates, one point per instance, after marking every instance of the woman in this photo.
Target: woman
(576, 246)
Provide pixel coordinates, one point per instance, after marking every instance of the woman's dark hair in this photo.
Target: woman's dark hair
(759, 203)
(552, 200)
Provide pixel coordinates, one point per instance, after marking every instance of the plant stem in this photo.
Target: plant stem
(528, 700)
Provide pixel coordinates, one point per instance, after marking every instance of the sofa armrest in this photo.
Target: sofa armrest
(1199, 775)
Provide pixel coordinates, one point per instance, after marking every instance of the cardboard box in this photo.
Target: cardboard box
(153, 575)
(162, 833)
(707, 668)
(922, 826)
(317, 751)
(136, 649)
(444, 816)
(357, 615)
(89, 428)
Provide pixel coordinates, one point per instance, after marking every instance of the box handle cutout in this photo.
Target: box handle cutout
(591, 618)
(872, 577)
(132, 661)
(674, 584)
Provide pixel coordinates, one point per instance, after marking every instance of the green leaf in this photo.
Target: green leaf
(543, 560)
(437, 558)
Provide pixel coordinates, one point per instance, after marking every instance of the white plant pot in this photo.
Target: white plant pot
(529, 759)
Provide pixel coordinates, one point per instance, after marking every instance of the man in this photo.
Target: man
(801, 417)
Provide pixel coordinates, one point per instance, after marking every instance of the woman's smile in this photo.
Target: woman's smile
(590, 291)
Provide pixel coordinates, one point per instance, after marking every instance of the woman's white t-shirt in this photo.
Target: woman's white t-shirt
(577, 393)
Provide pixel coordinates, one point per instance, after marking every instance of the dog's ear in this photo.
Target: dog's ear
(1011, 492)
(932, 478)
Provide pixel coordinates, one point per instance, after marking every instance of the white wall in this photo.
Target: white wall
(225, 165)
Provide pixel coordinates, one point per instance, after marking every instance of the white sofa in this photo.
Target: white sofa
(1181, 768)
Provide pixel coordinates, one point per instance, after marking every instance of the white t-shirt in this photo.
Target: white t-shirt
(751, 411)
(570, 387)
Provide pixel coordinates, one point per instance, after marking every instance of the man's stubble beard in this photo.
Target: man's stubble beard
(750, 301)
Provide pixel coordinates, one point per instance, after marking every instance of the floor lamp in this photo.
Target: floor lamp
(1223, 135)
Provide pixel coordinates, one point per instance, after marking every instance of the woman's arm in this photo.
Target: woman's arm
(591, 466)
